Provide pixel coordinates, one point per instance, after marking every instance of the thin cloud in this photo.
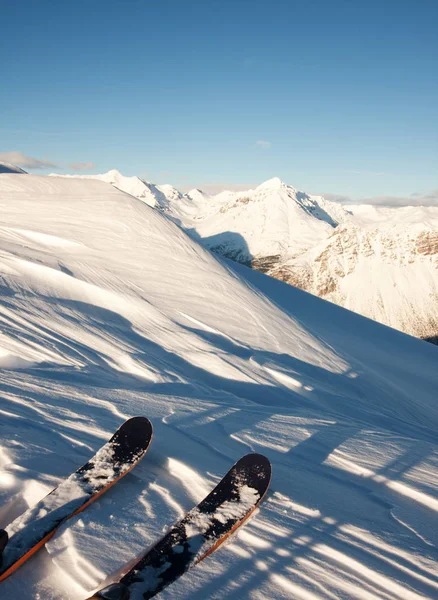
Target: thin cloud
(263, 144)
(429, 198)
(27, 162)
(82, 166)
(341, 198)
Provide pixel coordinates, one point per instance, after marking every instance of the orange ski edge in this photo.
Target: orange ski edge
(41, 543)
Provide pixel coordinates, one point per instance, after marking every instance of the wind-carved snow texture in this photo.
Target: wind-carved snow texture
(131, 316)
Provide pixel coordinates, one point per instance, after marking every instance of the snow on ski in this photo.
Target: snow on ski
(29, 532)
(198, 534)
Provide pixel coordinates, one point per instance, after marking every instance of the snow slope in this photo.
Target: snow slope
(148, 192)
(109, 310)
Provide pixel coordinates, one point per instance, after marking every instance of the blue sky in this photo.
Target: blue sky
(337, 97)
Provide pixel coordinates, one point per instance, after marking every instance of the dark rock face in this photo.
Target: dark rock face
(427, 243)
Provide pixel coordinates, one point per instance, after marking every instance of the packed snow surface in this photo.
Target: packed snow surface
(110, 310)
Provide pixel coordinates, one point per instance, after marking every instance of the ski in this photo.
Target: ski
(198, 534)
(29, 532)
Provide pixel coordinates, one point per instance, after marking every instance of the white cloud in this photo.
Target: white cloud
(417, 199)
(27, 162)
(341, 198)
(81, 166)
(263, 144)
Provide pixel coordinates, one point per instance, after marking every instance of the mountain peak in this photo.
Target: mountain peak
(113, 173)
(273, 184)
(196, 194)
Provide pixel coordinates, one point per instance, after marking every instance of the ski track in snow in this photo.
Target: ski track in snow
(109, 311)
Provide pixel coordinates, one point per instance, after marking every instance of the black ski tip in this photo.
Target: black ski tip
(133, 437)
(254, 470)
(3, 539)
(116, 591)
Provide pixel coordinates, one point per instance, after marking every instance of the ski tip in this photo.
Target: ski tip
(255, 470)
(137, 423)
(132, 439)
(256, 459)
(3, 539)
(136, 426)
(116, 591)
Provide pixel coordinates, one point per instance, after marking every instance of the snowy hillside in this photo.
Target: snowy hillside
(148, 192)
(109, 310)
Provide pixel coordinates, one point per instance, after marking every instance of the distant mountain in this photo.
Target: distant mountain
(274, 221)
(6, 167)
(387, 274)
(380, 262)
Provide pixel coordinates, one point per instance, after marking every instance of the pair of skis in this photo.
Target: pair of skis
(189, 541)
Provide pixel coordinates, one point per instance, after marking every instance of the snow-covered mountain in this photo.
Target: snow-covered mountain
(110, 310)
(144, 190)
(380, 262)
(386, 273)
(273, 220)
(6, 167)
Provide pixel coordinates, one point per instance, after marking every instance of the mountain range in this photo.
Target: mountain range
(378, 261)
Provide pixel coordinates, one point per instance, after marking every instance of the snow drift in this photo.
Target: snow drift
(110, 310)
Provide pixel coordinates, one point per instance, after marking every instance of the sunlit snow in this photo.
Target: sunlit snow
(110, 310)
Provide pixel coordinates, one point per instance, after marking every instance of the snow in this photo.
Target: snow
(378, 261)
(274, 219)
(386, 272)
(110, 310)
(148, 192)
